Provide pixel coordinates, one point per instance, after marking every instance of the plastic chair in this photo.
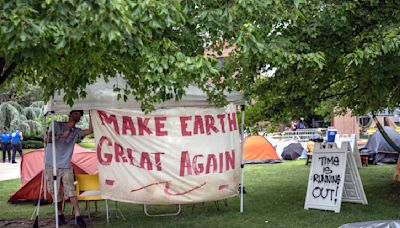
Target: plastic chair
(88, 189)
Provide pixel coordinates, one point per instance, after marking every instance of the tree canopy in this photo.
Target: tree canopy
(344, 54)
(157, 46)
(336, 54)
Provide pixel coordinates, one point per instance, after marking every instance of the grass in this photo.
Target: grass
(275, 198)
(24, 151)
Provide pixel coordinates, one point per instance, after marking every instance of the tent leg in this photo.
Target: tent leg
(53, 144)
(42, 181)
(241, 158)
(45, 151)
(107, 216)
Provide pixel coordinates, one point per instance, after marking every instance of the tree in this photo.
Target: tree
(13, 116)
(344, 54)
(341, 53)
(157, 46)
(255, 117)
(9, 111)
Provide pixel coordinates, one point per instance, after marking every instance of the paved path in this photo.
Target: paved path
(10, 171)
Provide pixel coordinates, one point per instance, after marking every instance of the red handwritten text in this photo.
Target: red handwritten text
(143, 160)
(135, 126)
(208, 124)
(211, 163)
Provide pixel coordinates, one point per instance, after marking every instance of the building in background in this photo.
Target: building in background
(348, 124)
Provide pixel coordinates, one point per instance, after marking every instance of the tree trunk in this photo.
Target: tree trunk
(396, 175)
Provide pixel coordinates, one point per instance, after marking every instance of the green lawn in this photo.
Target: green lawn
(24, 151)
(275, 198)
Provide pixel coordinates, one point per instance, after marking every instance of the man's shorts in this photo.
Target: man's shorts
(67, 178)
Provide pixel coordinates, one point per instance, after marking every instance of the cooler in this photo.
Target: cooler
(330, 135)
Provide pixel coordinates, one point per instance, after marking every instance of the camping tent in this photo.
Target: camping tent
(258, 149)
(292, 151)
(83, 161)
(286, 142)
(378, 147)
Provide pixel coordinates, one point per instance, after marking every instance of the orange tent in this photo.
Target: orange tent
(83, 161)
(258, 149)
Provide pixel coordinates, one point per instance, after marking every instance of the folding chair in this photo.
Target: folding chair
(88, 189)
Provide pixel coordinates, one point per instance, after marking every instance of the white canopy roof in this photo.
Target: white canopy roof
(101, 95)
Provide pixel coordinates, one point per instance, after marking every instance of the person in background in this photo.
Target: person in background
(16, 139)
(66, 135)
(310, 146)
(294, 125)
(6, 144)
(316, 138)
(1, 137)
(301, 124)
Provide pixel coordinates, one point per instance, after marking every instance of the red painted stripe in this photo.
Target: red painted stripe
(137, 189)
(110, 182)
(166, 189)
(222, 186)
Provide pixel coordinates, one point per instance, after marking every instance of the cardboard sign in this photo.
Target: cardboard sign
(333, 177)
(171, 156)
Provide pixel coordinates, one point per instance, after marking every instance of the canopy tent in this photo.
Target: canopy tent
(83, 162)
(101, 95)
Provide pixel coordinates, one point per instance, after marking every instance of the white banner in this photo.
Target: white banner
(170, 156)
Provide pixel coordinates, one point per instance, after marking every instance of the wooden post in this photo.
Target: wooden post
(396, 175)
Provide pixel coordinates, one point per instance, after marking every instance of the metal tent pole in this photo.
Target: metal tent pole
(44, 157)
(241, 158)
(53, 144)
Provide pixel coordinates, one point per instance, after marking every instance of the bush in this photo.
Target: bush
(32, 144)
(33, 137)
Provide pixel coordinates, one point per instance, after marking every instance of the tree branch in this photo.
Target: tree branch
(2, 63)
(7, 72)
(339, 94)
(59, 72)
(334, 82)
